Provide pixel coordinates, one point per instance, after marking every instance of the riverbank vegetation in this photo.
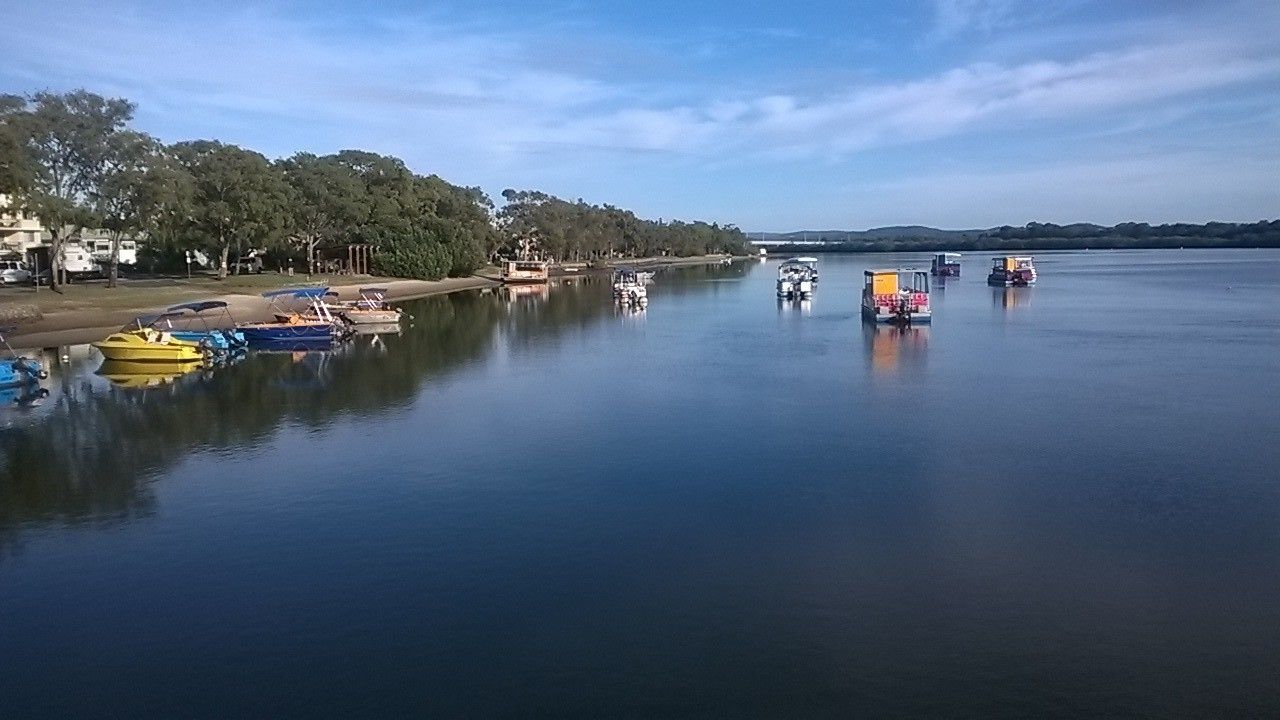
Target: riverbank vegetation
(74, 161)
(1041, 236)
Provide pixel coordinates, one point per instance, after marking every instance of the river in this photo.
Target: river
(1056, 500)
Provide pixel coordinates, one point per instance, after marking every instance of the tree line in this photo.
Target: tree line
(1050, 236)
(74, 161)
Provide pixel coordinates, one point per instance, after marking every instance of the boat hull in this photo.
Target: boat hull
(148, 346)
(285, 332)
(158, 353)
(911, 318)
(371, 317)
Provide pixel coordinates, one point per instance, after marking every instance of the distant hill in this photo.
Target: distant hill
(1032, 236)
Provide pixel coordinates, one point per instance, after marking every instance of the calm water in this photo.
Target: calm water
(1060, 500)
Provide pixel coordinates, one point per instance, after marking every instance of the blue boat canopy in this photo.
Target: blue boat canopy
(309, 293)
(198, 307)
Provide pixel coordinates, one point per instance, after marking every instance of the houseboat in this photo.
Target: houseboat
(945, 265)
(797, 278)
(1010, 271)
(629, 287)
(525, 271)
(896, 296)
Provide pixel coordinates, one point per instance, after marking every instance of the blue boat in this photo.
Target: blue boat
(18, 371)
(215, 338)
(292, 326)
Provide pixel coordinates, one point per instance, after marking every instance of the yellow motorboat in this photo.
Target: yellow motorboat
(135, 374)
(148, 345)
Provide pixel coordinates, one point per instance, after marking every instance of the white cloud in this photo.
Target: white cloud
(491, 106)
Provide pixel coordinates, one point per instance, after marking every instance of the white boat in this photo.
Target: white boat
(628, 287)
(797, 278)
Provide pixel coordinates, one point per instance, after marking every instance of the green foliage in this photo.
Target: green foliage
(431, 250)
(1049, 236)
(62, 147)
(16, 166)
(73, 161)
(579, 231)
(239, 198)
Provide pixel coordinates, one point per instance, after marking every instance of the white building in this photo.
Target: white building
(19, 232)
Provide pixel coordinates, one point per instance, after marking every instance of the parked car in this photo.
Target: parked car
(13, 272)
(251, 264)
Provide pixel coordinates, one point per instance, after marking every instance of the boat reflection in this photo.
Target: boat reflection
(1009, 298)
(802, 307)
(891, 350)
(25, 396)
(515, 293)
(134, 374)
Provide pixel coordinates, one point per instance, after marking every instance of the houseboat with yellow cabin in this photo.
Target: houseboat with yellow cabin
(1010, 271)
(896, 297)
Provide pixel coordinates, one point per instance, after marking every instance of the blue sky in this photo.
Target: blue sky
(772, 116)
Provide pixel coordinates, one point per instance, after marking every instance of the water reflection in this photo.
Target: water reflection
(26, 396)
(891, 350)
(787, 306)
(132, 374)
(1009, 298)
(91, 450)
(532, 292)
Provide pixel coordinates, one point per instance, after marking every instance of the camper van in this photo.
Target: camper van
(100, 249)
(78, 260)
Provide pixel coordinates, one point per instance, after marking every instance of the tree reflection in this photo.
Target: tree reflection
(92, 451)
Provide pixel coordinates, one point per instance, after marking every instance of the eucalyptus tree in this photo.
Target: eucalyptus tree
(16, 169)
(327, 201)
(137, 184)
(239, 199)
(68, 137)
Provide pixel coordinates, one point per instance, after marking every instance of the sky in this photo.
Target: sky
(771, 116)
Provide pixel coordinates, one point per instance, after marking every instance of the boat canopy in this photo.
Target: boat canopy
(948, 255)
(197, 307)
(800, 261)
(143, 321)
(308, 293)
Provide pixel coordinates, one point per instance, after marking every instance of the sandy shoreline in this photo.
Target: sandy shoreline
(83, 325)
(75, 327)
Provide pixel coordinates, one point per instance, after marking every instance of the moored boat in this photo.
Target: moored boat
(628, 287)
(1011, 271)
(896, 296)
(19, 371)
(371, 308)
(945, 265)
(148, 345)
(226, 339)
(797, 278)
(318, 325)
(525, 271)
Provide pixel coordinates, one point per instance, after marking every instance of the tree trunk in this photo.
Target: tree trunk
(55, 261)
(222, 267)
(113, 266)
